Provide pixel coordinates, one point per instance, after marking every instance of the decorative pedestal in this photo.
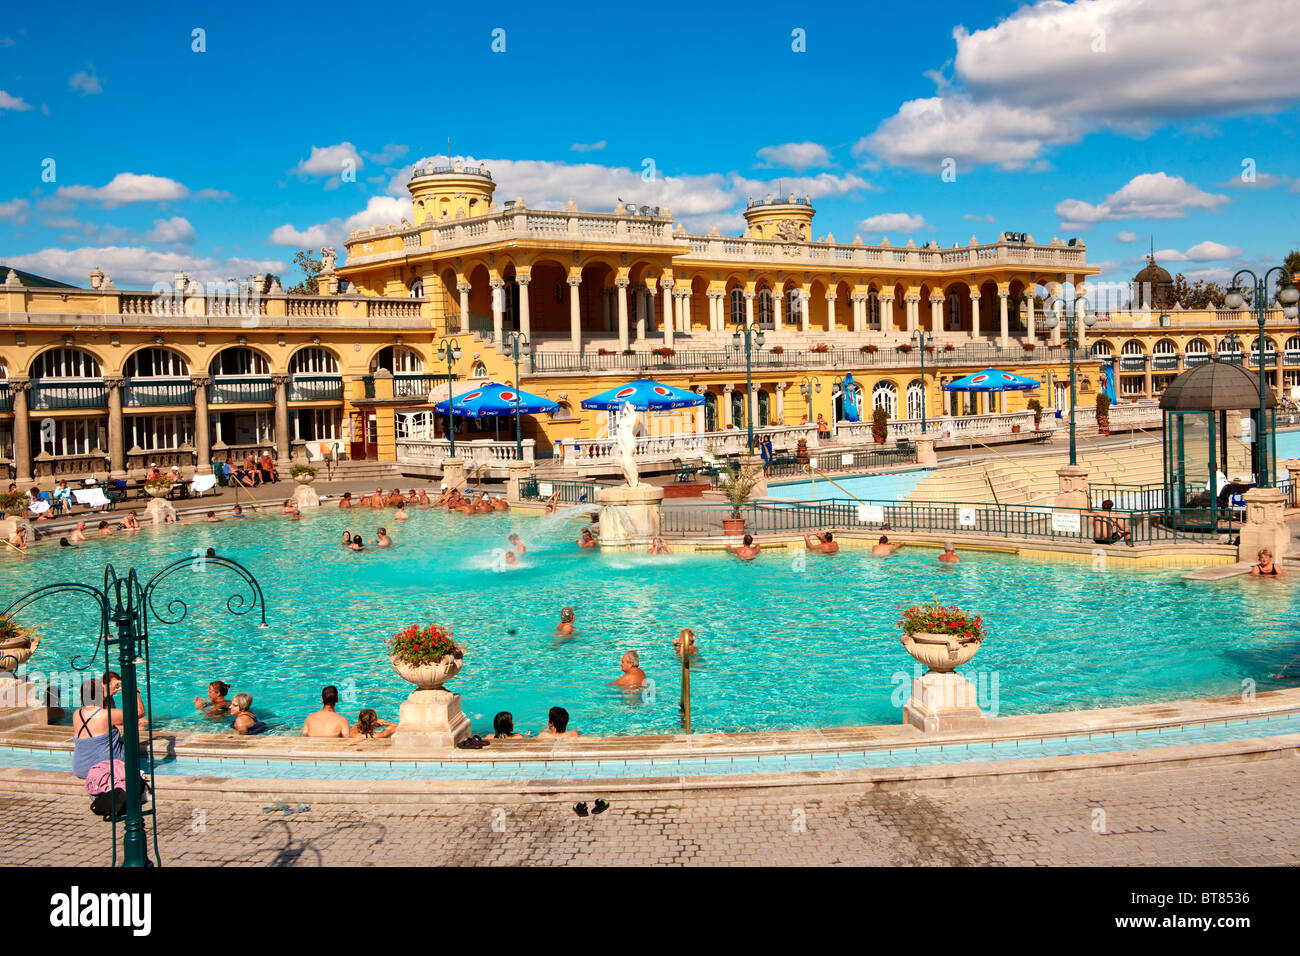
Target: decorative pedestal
(20, 705)
(453, 472)
(304, 496)
(941, 699)
(629, 517)
(1264, 526)
(516, 473)
(432, 718)
(925, 456)
(158, 510)
(1072, 487)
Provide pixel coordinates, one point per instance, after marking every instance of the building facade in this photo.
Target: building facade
(104, 381)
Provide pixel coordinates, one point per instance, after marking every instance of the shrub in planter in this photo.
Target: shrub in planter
(13, 503)
(950, 347)
(879, 425)
(158, 486)
(1030, 346)
(302, 471)
(1103, 412)
(870, 349)
(737, 487)
(665, 352)
(1037, 406)
(904, 347)
(776, 350)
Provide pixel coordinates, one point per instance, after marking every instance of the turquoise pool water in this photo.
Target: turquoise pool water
(1288, 445)
(787, 641)
(894, 486)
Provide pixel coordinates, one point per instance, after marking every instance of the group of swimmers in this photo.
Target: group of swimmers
(823, 542)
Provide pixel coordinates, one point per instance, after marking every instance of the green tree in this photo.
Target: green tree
(309, 266)
(1292, 262)
(1201, 294)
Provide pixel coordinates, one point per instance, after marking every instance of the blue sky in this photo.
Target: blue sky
(1112, 120)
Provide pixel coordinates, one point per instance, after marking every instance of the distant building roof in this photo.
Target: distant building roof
(32, 279)
(1215, 386)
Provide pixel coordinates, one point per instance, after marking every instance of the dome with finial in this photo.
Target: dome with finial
(1153, 286)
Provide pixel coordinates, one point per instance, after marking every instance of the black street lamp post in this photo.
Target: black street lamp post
(450, 350)
(1073, 311)
(752, 337)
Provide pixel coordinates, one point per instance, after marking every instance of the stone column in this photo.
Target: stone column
(516, 472)
(282, 456)
(116, 438)
(669, 326)
(621, 285)
(1004, 340)
(686, 311)
(936, 317)
(831, 299)
(749, 308)
(498, 311)
(886, 312)
(974, 315)
(202, 439)
(463, 289)
(525, 317)
(804, 298)
(1072, 488)
(1264, 526)
(726, 405)
(780, 402)
(699, 409)
(20, 388)
(575, 313)
(1029, 316)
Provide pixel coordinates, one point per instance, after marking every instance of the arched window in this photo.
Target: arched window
(737, 306)
(764, 416)
(66, 363)
(873, 311)
(399, 360)
(1229, 347)
(313, 361)
(1292, 345)
(1132, 347)
(478, 371)
(885, 395)
(952, 315)
(239, 361)
(416, 289)
(766, 308)
(793, 307)
(738, 409)
(157, 363)
(914, 394)
(1270, 351)
(1101, 350)
(710, 412)
(1165, 347)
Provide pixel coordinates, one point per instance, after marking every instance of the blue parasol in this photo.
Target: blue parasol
(992, 380)
(488, 401)
(644, 396)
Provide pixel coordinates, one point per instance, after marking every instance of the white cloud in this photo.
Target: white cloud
(308, 238)
(15, 211)
(970, 218)
(588, 147)
(329, 160)
(379, 211)
(138, 266)
(177, 229)
(8, 102)
(86, 82)
(391, 153)
(1201, 252)
(1053, 71)
(128, 188)
(796, 156)
(1126, 236)
(1147, 196)
(887, 222)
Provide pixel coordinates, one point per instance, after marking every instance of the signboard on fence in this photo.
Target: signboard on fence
(544, 489)
(966, 517)
(812, 462)
(871, 514)
(846, 459)
(1067, 522)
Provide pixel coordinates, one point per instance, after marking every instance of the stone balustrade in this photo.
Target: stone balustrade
(725, 248)
(474, 452)
(733, 441)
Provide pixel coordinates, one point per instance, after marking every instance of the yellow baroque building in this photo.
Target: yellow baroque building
(103, 381)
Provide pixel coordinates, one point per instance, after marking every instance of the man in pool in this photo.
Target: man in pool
(748, 549)
(325, 722)
(821, 543)
(346, 500)
(633, 675)
(585, 540)
(377, 499)
(657, 546)
(383, 541)
(884, 547)
(212, 516)
(565, 626)
(949, 555)
(78, 533)
(557, 724)
(511, 560)
(518, 545)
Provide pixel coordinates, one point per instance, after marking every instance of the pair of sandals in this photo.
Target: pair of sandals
(600, 806)
(475, 742)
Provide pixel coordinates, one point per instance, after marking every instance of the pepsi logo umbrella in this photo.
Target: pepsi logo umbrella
(488, 401)
(644, 396)
(992, 380)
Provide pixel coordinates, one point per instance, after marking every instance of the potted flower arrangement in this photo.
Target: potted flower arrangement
(820, 347)
(777, 350)
(158, 487)
(929, 350)
(664, 352)
(1103, 413)
(629, 351)
(425, 656)
(13, 503)
(604, 352)
(303, 474)
(1037, 406)
(801, 451)
(950, 347)
(879, 425)
(17, 643)
(942, 638)
(1030, 346)
(737, 487)
(869, 349)
(904, 348)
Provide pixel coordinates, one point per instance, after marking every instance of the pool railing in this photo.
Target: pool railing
(570, 492)
(786, 466)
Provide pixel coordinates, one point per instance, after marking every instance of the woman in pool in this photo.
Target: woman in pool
(241, 717)
(1266, 568)
(657, 546)
(368, 724)
(215, 705)
(566, 622)
(347, 539)
(357, 544)
(504, 726)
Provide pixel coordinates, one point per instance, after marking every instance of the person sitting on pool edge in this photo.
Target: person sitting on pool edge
(503, 725)
(557, 724)
(633, 675)
(325, 722)
(821, 543)
(884, 546)
(368, 724)
(748, 549)
(1266, 568)
(949, 555)
(1107, 529)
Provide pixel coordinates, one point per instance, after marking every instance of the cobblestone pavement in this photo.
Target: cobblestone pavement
(1232, 814)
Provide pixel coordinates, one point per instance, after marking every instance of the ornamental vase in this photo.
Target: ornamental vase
(430, 676)
(942, 653)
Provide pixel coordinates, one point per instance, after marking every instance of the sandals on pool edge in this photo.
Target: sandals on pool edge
(473, 743)
(600, 806)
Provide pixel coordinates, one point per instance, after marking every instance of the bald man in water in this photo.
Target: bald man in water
(324, 722)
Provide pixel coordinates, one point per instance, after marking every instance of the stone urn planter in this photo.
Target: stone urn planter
(431, 716)
(305, 478)
(159, 491)
(942, 699)
(429, 676)
(942, 653)
(16, 651)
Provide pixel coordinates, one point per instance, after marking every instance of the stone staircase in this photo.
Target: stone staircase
(358, 471)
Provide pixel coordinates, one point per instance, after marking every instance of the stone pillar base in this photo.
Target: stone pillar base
(453, 472)
(943, 702)
(432, 718)
(1264, 526)
(516, 472)
(158, 509)
(1072, 487)
(925, 456)
(304, 496)
(629, 517)
(20, 705)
